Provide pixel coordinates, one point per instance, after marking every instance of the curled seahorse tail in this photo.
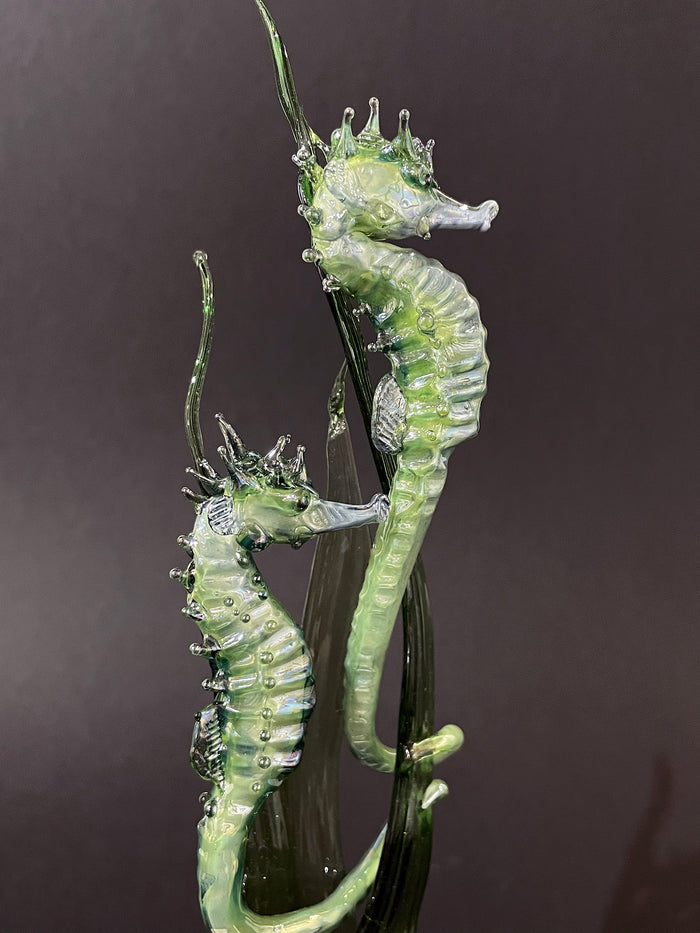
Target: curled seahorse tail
(414, 494)
(221, 870)
(328, 913)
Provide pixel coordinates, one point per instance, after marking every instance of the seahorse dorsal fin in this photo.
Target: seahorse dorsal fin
(388, 416)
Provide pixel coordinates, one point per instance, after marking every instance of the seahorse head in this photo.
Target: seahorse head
(384, 189)
(269, 499)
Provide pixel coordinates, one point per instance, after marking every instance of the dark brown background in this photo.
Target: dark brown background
(563, 557)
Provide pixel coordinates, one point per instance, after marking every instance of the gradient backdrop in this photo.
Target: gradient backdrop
(563, 559)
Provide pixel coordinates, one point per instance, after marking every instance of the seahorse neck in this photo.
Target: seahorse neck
(228, 584)
(376, 271)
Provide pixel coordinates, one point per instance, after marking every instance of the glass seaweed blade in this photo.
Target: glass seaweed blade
(295, 853)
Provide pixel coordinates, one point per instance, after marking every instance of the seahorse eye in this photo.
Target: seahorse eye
(303, 501)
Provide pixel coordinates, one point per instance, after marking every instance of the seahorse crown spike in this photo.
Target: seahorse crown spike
(403, 141)
(247, 468)
(234, 445)
(415, 157)
(372, 129)
(345, 145)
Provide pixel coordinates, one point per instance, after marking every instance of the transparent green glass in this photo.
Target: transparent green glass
(270, 855)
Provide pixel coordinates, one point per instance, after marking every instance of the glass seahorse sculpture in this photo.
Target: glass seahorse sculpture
(371, 190)
(250, 737)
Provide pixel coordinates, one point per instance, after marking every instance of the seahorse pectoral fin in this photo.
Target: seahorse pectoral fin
(206, 751)
(440, 746)
(388, 416)
(450, 214)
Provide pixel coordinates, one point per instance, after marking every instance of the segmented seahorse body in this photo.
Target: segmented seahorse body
(428, 327)
(372, 189)
(264, 694)
(430, 330)
(250, 737)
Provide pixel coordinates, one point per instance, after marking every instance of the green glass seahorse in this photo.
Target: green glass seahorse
(369, 191)
(250, 737)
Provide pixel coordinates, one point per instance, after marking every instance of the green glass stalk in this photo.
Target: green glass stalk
(356, 358)
(396, 897)
(295, 855)
(193, 430)
(296, 835)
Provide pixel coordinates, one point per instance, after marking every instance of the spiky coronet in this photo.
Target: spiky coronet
(247, 467)
(416, 156)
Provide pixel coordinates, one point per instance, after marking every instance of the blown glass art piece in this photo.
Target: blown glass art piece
(269, 852)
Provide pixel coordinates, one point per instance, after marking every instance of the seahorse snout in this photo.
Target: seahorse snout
(450, 214)
(330, 516)
(490, 209)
